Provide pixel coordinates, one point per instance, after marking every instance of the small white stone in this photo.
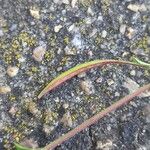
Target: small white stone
(59, 68)
(73, 3)
(125, 54)
(65, 2)
(1, 33)
(87, 87)
(47, 129)
(88, 21)
(38, 53)
(12, 71)
(70, 51)
(67, 120)
(57, 28)
(110, 82)
(104, 33)
(35, 13)
(59, 51)
(65, 105)
(56, 1)
(71, 27)
(131, 85)
(90, 53)
(81, 75)
(133, 72)
(13, 110)
(117, 94)
(99, 80)
(122, 28)
(137, 7)
(105, 146)
(5, 89)
(90, 11)
(133, 7)
(22, 59)
(100, 18)
(130, 32)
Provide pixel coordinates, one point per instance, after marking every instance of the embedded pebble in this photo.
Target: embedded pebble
(146, 112)
(130, 32)
(59, 68)
(13, 27)
(38, 53)
(70, 51)
(12, 71)
(148, 40)
(65, 105)
(81, 75)
(133, 72)
(105, 146)
(67, 120)
(137, 7)
(71, 28)
(104, 33)
(35, 13)
(5, 89)
(13, 110)
(132, 86)
(1, 33)
(65, 2)
(32, 107)
(90, 11)
(110, 82)
(117, 94)
(87, 87)
(77, 41)
(47, 129)
(90, 53)
(99, 80)
(122, 28)
(3, 22)
(73, 3)
(57, 28)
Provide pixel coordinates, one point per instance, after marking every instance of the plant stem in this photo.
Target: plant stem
(96, 117)
(82, 68)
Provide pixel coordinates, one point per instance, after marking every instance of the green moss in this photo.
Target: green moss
(141, 44)
(50, 117)
(12, 50)
(12, 98)
(66, 40)
(85, 3)
(105, 6)
(49, 55)
(98, 40)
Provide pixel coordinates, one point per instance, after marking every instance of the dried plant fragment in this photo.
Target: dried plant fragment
(82, 68)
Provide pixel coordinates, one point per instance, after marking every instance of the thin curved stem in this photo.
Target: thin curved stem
(96, 117)
(82, 68)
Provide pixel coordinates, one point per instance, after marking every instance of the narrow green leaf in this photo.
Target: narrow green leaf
(21, 147)
(82, 68)
(136, 60)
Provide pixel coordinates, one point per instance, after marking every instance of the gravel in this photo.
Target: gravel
(45, 38)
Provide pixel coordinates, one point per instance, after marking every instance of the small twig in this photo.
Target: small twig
(96, 117)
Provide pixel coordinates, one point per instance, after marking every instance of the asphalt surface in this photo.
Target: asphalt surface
(43, 38)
